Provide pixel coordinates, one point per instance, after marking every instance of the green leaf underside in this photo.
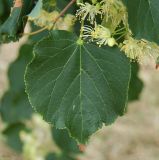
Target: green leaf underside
(78, 87)
(143, 18)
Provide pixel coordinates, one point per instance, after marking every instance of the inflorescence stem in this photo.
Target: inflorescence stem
(60, 15)
(64, 10)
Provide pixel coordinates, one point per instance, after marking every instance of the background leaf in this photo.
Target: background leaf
(12, 133)
(143, 18)
(5, 6)
(14, 106)
(12, 29)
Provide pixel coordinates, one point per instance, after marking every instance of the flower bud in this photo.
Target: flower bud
(111, 42)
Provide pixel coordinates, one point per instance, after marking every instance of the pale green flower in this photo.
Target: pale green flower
(137, 49)
(114, 12)
(89, 10)
(133, 49)
(99, 34)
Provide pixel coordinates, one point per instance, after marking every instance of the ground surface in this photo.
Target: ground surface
(134, 136)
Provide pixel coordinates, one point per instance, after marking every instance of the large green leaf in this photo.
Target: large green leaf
(144, 18)
(14, 106)
(77, 86)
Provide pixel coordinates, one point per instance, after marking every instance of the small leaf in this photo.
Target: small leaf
(78, 87)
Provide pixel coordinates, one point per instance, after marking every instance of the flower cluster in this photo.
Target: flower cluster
(137, 49)
(90, 10)
(110, 13)
(101, 35)
(111, 10)
(113, 23)
(114, 12)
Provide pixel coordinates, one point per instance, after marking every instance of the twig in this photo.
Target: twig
(54, 22)
(64, 10)
(35, 32)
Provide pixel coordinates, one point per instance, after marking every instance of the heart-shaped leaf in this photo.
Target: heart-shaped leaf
(77, 86)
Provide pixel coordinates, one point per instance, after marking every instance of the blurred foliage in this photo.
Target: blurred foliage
(53, 156)
(49, 5)
(136, 84)
(4, 9)
(14, 106)
(12, 135)
(61, 6)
